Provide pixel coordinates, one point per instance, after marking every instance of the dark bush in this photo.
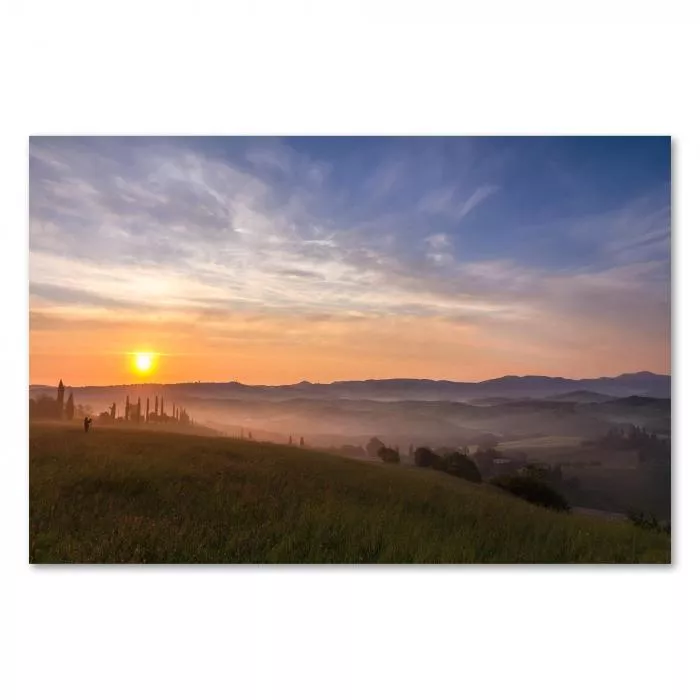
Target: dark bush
(458, 464)
(648, 521)
(373, 447)
(423, 457)
(531, 489)
(386, 454)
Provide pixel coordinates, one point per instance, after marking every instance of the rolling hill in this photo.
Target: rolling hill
(129, 495)
(639, 384)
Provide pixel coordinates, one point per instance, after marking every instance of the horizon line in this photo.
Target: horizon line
(346, 381)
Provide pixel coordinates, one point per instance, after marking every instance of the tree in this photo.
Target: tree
(458, 464)
(70, 407)
(373, 447)
(532, 490)
(389, 456)
(424, 457)
(301, 442)
(59, 399)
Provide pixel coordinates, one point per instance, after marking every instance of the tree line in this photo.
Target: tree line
(46, 408)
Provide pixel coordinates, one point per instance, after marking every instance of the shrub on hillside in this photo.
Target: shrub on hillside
(531, 489)
(648, 521)
(424, 457)
(386, 454)
(458, 464)
(373, 447)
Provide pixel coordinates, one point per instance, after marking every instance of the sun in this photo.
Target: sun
(143, 362)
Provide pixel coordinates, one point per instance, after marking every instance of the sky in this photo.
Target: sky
(274, 260)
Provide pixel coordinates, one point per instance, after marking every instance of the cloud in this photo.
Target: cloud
(479, 195)
(438, 241)
(162, 228)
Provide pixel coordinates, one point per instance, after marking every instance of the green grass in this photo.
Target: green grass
(124, 495)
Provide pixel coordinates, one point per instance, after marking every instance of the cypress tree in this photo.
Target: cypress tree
(70, 407)
(59, 399)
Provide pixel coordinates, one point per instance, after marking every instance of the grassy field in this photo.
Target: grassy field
(125, 495)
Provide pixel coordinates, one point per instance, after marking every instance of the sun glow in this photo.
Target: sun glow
(143, 362)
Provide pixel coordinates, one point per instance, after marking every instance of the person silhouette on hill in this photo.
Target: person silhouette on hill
(86, 423)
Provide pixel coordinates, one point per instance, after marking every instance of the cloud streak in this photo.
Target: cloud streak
(152, 227)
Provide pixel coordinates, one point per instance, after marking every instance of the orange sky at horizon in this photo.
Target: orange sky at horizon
(286, 351)
(273, 260)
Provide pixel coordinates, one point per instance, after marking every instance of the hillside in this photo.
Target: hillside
(123, 495)
(640, 383)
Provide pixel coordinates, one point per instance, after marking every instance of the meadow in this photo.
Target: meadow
(125, 495)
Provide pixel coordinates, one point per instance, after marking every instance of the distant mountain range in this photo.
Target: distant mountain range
(642, 384)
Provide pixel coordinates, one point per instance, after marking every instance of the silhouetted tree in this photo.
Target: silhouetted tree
(389, 456)
(59, 399)
(531, 489)
(70, 407)
(424, 457)
(113, 411)
(290, 439)
(373, 446)
(138, 410)
(458, 464)
(148, 409)
(301, 442)
(126, 409)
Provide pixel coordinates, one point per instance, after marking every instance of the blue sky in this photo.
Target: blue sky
(515, 255)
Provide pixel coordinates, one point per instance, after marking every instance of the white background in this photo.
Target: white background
(331, 68)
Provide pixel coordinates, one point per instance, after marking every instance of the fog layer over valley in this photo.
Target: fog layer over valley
(411, 411)
(504, 423)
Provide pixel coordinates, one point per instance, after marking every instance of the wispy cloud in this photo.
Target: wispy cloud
(479, 195)
(166, 230)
